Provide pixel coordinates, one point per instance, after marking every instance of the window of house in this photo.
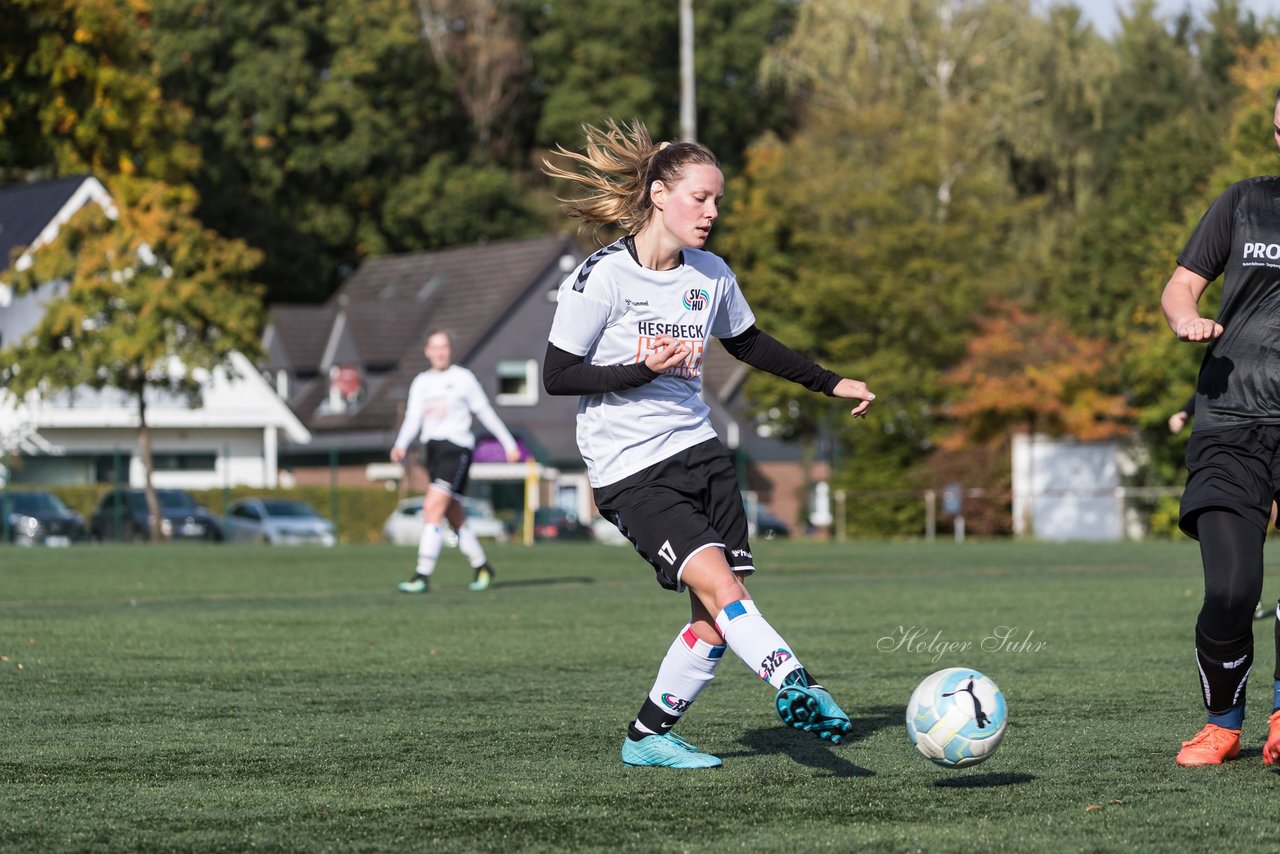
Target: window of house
(184, 462)
(518, 383)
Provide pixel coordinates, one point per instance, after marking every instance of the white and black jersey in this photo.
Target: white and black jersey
(440, 408)
(1239, 239)
(611, 311)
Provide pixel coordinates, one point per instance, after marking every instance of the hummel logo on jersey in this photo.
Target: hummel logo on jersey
(674, 703)
(696, 299)
(1270, 251)
(742, 553)
(773, 661)
(637, 302)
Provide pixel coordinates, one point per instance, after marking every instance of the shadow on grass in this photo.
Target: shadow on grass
(869, 721)
(985, 781)
(543, 582)
(800, 747)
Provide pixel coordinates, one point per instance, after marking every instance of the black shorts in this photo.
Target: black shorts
(1236, 469)
(447, 464)
(678, 507)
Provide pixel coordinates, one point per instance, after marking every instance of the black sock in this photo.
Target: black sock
(800, 676)
(653, 718)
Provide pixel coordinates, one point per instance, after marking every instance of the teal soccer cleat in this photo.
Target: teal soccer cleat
(484, 577)
(419, 584)
(807, 706)
(667, 751)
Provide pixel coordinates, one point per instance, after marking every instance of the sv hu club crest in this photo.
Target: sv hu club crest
(696, 299)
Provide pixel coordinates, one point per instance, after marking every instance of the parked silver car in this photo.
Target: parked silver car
(404, 526)
(276, 521)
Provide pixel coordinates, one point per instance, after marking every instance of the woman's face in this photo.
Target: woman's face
(439, 352)
(689, 208)
(1276, 122)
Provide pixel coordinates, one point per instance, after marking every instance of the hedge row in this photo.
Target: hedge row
(359, 517)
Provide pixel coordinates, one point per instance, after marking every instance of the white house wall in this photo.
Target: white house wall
(240, 421)
(240, 457)
(1066, 490)
(22, 313)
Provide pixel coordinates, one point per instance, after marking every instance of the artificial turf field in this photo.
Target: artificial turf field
(242, 698)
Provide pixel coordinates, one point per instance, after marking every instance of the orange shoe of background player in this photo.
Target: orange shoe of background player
(1212, 745)
(1271, 750)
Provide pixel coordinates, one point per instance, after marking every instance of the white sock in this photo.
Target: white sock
(689, 666)
(469, 545)
(429, 548)
(753, 640)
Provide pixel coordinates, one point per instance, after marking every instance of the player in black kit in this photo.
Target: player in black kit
(1233, 458)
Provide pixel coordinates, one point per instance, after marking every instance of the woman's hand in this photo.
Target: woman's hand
(854, 390)
(667, 353)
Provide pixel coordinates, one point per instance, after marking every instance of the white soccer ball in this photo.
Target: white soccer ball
(957, 717)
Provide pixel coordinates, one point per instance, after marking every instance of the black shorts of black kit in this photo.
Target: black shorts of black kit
(678, 507)
(449, 465)
(1236, 469)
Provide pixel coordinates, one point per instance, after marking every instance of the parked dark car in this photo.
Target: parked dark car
(553, 523)
(181, 518)
(40, 519)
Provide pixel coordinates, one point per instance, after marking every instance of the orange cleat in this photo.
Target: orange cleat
(1271, 750)
(1213, 745)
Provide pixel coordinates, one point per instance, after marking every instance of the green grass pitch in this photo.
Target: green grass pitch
(239, 698)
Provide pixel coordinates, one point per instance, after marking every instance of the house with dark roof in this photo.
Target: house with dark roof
(345, 369)
(345, 366)
(30, 216)
(87, 435)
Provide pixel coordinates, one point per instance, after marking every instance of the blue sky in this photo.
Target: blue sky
(1102, 13)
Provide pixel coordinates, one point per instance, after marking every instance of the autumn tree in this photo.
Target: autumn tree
(1034, 373)
(79, 95)
(145, 302)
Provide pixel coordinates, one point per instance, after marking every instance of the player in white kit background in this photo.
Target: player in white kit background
(630, 329)
(439, 411)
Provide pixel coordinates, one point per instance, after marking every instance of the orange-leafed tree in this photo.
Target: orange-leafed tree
(1032, 372)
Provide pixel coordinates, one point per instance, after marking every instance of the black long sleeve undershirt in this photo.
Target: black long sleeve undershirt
(761, 350)
(565, 373)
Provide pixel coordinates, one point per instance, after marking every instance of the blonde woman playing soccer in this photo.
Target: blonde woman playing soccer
(631, 325)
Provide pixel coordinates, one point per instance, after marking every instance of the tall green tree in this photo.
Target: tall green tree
(325, 164)
(79, 95)
(599, 59)
(147, 302)
(872, 236)
(477, 45)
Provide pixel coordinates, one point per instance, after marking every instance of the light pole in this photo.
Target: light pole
(688, 99)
